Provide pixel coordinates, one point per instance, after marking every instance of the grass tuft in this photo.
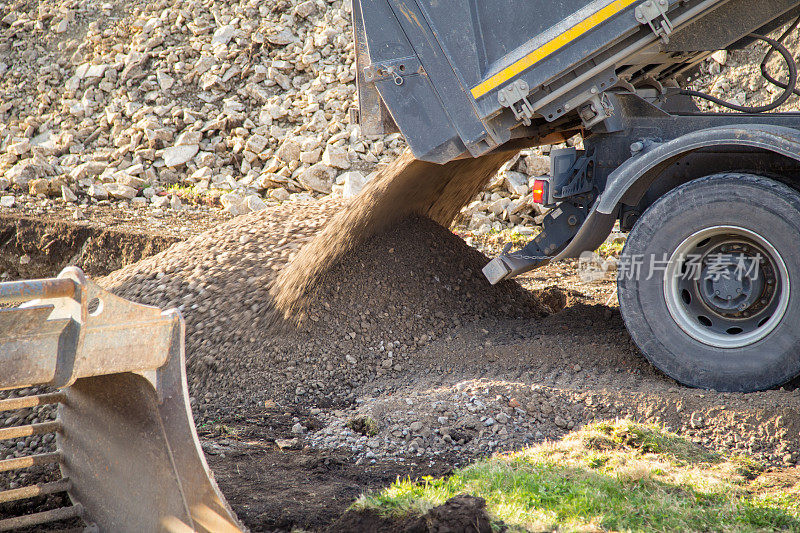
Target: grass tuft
(363, 425)
(643, 438)
(611, 247)
(617, 476)
(195, 196)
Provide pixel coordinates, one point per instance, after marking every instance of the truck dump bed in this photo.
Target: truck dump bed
(461, 77)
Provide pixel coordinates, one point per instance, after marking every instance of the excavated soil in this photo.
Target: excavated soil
(35, 248)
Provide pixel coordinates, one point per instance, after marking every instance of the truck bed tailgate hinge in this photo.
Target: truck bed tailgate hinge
(515, 96)
(654, 13)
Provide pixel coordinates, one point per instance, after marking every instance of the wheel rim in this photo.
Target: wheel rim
(726, 287)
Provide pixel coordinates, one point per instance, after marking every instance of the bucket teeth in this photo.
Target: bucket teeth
(17, 432)
(44, 517)
(23, 402)
(41, 489)
(16, 463)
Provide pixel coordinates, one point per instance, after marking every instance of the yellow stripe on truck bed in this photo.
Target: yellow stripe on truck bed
(548, 48)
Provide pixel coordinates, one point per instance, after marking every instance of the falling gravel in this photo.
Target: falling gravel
(408, 186)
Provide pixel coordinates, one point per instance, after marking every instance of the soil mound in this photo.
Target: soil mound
(370, 312)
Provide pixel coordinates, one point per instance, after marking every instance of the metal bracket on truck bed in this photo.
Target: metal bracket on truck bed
(654, 13)
(570, 193)
(126, 444)
(560, 226)
(515, 97)
(397, 70)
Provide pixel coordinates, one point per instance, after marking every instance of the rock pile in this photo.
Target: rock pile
(736, 76)
(508, 202)
(122, 100)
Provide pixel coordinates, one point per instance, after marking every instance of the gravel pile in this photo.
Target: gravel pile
(370, 314)
(404, 188)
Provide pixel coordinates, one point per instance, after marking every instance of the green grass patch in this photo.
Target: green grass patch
(610, 476)
(497, 239)
(611, 247)
(192, 195)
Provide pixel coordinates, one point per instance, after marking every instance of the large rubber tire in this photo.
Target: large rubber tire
(760, 205)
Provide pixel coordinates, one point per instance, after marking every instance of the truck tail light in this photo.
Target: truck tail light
(540, 190)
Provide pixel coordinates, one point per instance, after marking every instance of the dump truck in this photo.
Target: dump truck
(707, 281)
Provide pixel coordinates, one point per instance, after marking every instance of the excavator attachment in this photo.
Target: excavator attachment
(126, 444)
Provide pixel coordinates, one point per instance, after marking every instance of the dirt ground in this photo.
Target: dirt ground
(276, 490)
(576, 365)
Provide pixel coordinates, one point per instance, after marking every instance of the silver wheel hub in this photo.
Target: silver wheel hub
(726, 287)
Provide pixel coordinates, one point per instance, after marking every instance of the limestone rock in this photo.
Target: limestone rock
(130, 181)
(289, 150)
(352, 183)
(98, 191)
(233, 204)
(336, 157)
(279, 194)
(254, 203)
(67, 195)
(175, 156)
(257, 143)
(39, 186)
(318, 178)
(517, 183)
(119, 191)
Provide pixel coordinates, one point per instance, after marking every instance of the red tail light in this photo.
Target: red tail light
(540, 191)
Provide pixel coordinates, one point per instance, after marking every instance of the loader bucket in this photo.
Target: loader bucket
(126, 444)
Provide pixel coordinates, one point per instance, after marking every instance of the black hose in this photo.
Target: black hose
(788, 89)
(782, 40)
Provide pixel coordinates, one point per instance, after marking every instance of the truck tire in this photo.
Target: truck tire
(709, 283)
